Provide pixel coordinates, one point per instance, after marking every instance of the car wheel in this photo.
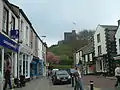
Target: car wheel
(69, 82)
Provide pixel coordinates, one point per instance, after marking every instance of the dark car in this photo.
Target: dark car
(61, 77)
(71, 71)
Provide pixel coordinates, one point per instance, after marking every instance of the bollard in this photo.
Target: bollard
(72, 80)
(91, 85)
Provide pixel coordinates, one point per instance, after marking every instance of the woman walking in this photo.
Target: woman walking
(7, 76)
(78, 80)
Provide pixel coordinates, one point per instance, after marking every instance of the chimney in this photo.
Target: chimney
(118, 22)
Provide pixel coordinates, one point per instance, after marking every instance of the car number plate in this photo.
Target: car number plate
(64, 80)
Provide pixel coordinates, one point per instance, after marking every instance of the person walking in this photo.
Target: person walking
(78, 79)
(117, 74)
(7, 76)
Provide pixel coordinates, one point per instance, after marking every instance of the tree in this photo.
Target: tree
(51, 58)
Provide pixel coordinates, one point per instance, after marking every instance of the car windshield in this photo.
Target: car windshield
(72, 70)
(61, 73)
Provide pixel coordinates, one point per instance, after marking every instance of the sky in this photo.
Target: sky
(51, 18)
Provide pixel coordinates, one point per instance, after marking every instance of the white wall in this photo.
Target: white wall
(77, 57)
(23, 32)
(80, 56)
(86, 58)
(40, 49)
(1, 14)
(117, 36)
(90, 56)
(100, 30)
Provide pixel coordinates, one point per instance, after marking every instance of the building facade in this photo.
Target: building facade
(105, 48)
(8, 45)
(117, 36)
(85, 58)
(19, 43)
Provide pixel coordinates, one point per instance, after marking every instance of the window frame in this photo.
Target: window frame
(98, 38)
(12, 22)
(99, 50)
(5, 27)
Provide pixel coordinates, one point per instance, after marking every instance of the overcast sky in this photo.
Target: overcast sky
(54, 17)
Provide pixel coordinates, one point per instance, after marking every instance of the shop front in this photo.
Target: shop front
(8, 52)
(36, 67)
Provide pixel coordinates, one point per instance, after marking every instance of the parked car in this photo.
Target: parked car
(71, 71)
(61, 77)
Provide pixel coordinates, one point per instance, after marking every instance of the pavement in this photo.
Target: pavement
(100, 83)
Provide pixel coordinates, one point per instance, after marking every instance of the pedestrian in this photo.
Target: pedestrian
(78, 79)
(117, 74)
(7, 76)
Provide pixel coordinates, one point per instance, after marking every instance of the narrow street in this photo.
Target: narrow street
(100, 83)
(44, 84)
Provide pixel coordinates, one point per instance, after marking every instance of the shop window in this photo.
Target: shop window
(5, 20)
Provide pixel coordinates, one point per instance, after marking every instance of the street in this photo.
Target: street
(100, 83)
(44, 84)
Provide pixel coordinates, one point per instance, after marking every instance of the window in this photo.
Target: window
(31, 39)
(21, 26)
(98, 38)
(13, 23)
(99, 50)
(5, 21)
(26, 35)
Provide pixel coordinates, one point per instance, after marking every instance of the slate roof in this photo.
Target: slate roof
(87, 48)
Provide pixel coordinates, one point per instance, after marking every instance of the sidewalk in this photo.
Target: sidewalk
(35, 84)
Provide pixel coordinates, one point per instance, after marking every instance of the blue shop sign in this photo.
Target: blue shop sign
(6, 42)
(14, 34)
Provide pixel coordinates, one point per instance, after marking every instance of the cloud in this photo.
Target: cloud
(53, 17)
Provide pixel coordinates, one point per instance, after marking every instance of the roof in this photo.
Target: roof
(87, 48)
(110, 27)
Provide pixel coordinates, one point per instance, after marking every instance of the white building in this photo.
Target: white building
(104, 45)
(8, 46)
(25, 49)
(117, 36)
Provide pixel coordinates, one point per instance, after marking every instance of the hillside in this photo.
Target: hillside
(66, 50)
